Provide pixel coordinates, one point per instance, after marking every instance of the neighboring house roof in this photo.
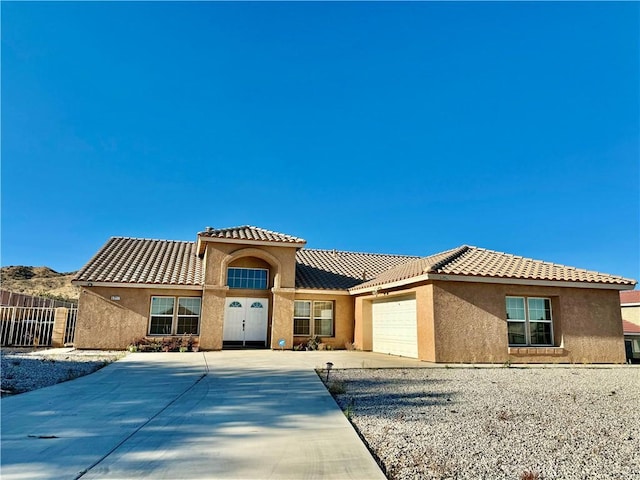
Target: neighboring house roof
(630, 296)
(468, 261)
(142, 261)
(248, 232)
(335, 270)
(630, 328)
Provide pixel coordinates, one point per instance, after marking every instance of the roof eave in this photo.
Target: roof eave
(385, 286)
(181, 286)
(202, 239)
(501, 280)
(321, 291)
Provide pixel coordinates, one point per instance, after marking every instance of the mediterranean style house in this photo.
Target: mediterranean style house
(251, 287)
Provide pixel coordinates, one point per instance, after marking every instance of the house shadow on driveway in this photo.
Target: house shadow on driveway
(166, 416)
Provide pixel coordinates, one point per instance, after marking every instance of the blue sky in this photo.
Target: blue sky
(395, 128)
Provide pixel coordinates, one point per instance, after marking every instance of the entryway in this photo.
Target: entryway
(245, 322)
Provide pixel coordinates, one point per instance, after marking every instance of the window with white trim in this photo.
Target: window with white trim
(529, 321)
(166, 319)
(313, 318)
(250, 278)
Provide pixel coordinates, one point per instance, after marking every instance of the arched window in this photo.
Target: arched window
(235, 305)
(256, 305)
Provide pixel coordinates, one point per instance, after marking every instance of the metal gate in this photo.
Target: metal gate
(27, 326)
(70, 328)
(33, 326)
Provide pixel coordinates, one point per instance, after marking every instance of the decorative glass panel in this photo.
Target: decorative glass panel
(235, 305)
(256, 305)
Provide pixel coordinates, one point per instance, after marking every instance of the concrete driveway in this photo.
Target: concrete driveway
(231, 414)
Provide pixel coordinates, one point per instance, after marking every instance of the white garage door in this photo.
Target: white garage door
(395, 328)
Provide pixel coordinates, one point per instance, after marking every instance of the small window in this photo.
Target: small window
(235, 305)
(532, 325)
(256, 305)
(249, 278)
(161, 315)
(323, 318)
(302, 318)
(316, 321)
(165, 319)
(188, 316)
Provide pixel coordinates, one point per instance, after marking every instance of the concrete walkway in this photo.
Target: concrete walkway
(231, 414)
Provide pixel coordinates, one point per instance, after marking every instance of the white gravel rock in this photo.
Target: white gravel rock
(24, 369)
(498, 423)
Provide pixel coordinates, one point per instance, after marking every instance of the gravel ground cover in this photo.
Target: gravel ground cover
(25, 369)
(496, 423)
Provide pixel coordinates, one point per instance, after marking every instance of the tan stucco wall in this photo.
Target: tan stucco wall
(281, 264)
(217, 252)
(362, 335)
(106, 324)
(103, 323)
(343, 314)
(471, 326)
(212, 317)
(426, 325)
(466, 322)
(631, 314)
(282, 317)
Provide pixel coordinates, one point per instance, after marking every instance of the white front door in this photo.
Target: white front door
(245, 321)
(395, 328)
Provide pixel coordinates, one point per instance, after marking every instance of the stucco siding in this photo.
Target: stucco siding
(426, 326)
(471, 324)
(343, 314)
(212, 317)
(362, 335)
(107, 324)
(216, 253)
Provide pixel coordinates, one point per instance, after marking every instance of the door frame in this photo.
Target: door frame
(241, 341)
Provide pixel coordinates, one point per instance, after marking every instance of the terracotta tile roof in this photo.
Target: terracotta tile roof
(166, 262)
(630, 296)
(335, 270)
(248, 232)
(142, 261)
(410, 269)
(480, 262)
(628, 327)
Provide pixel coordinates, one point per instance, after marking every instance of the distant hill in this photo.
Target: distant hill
(39, 281)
